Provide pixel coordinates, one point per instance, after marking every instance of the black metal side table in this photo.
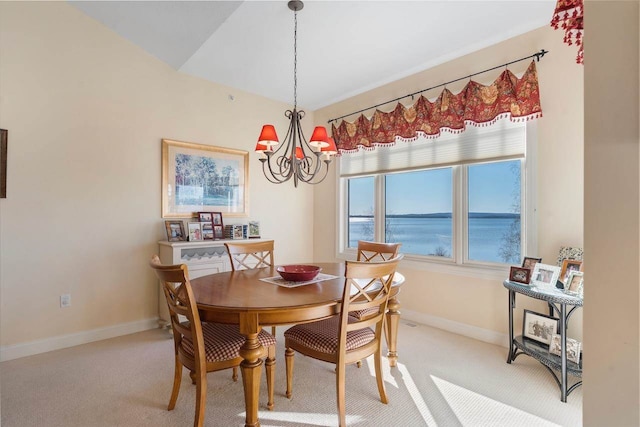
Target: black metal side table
(558, 301)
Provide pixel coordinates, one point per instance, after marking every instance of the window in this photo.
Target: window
(460, 199)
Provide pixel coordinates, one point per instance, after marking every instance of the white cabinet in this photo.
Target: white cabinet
(202, 258)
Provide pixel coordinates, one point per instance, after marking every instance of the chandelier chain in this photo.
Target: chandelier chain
(295, 59)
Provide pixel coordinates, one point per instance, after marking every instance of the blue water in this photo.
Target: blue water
(432, 236)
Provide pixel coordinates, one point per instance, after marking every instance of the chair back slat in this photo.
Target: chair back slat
(367, 285)
(375, 251)
(180, 301)
(246, 256)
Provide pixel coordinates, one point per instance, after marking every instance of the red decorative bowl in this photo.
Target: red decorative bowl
(298, 273)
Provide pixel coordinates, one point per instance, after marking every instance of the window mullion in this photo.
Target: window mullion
(460, 219)
(380, 206)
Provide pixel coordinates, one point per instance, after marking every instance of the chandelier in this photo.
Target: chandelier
(295, 158)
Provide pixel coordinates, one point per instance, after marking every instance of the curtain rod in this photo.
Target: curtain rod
(536, 55)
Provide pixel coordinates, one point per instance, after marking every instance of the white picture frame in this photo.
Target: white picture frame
(195, 231)
(575, 284)
(545, 275)
(254, 230)
(573, 348)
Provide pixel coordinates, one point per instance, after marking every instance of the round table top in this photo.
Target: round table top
(244, 291)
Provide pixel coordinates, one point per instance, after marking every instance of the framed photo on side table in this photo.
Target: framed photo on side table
(573, 348)
(175, 231)
(545, 276)
(539, 327)
(568, 266)
(520, 275)
(575, 284)
(529, 262)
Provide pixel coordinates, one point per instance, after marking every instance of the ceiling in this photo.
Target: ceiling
(344, 47)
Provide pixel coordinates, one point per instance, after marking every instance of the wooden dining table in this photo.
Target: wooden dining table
(241, 297)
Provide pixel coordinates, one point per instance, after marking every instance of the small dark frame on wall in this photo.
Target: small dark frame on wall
(4, 135)
(520, 275)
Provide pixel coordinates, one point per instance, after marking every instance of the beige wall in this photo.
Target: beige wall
(612, 255)
(482, 303)
(86, 111)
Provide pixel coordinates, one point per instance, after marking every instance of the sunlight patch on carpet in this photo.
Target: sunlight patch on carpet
(473, 409)
(328, 420)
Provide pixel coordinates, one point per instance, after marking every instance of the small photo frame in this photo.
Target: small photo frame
(254, 230)
(575, 283)
(568, 266)
(205, 216)
(218, 232)
(207, 230)
(530, 262)
(573, 348)
(539, 327)
(216, 217)
(237, 232)
(175, 231)
(195, 231)
(520, 275)
(545, 275)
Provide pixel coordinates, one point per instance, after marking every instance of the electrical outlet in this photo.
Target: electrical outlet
(65, 300)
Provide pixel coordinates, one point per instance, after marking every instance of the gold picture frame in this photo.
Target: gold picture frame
(197, 177)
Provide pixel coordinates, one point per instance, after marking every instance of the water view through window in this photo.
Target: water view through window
(419, 211)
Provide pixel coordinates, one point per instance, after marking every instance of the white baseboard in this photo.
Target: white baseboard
(485, 335)
(10, 352)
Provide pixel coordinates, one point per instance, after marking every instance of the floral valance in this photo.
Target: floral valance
(568, 16)
(476, 104)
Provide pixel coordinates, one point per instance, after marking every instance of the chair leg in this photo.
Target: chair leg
(177, 378)
(234, 376)
(359, 363)
(340, 392)
(288, 358)
(273, 331)
(379, 379)
(270, 364)
(192, 375)
(201, 399)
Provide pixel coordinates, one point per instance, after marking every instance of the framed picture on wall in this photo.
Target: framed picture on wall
(175, 231)
(202, 178)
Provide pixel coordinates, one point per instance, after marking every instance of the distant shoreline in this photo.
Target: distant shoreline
(447, 215)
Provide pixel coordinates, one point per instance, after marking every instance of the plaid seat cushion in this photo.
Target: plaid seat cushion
(223, 342)
(322, 336)
(361, 314)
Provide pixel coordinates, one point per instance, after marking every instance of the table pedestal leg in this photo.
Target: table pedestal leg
(391, 330)
(251, 367)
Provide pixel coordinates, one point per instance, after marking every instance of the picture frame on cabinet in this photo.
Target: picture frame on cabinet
(207, 231)
(216, 217)
(520, 275)
(175, 231)
(545, 275)
(539, 327)
(195, 231)
(254, 230)
(205, 216)
(218, 232)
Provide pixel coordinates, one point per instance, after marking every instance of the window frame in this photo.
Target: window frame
(459, 264)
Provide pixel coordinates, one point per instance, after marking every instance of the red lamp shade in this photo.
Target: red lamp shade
(261, 148)
(268, 136)
(299, 154)
(331, 148)
(319, 137)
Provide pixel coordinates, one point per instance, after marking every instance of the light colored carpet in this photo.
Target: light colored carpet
(442, 379)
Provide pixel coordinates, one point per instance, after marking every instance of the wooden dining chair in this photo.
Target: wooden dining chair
(376, 251)
(203, 347)
(344, 339)
(246, 256)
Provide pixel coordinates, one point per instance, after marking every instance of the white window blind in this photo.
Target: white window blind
(499, 141)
